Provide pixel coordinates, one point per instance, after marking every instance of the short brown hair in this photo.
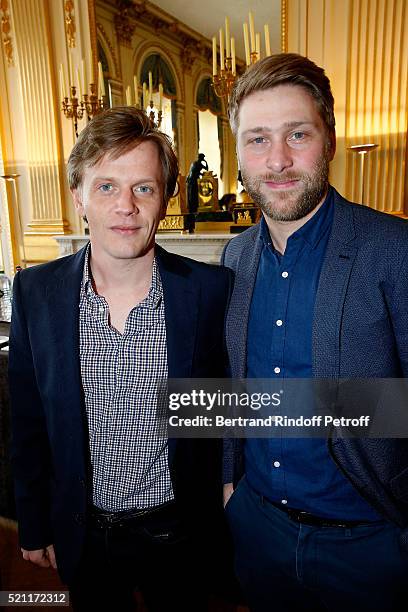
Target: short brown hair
(284, 69)
(116, 131)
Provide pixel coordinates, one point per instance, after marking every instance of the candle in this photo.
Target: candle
(84, 83)
(150, 86)
(258, 45)
(136, 88)
(79, 92)
(246, 43)
(227, 38)
(214, 41)
(110, 95)
(128, 96)
(62, 83)
(252, 31)
(267, 40)
(144, 96)
(101, 84)
(70, 73)
(91, 77)
(234, 67)
(160, 96)
(222, 62)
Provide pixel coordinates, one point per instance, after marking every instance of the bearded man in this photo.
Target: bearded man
(321, 291)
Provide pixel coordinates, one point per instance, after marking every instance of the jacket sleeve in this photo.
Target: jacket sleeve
(399, 313)
(228, 443)
(30, 446)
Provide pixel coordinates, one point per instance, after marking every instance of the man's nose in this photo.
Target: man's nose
(279, 157)
(126, 203)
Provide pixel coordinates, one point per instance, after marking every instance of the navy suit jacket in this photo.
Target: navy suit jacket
(360, 330)
(50, 451)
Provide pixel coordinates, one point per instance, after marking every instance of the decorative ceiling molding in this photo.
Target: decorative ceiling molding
(124, 28)
(129, 14)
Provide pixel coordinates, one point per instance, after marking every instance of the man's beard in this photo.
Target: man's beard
(285, 205)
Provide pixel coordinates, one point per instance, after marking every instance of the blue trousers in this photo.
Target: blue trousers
(285, 566)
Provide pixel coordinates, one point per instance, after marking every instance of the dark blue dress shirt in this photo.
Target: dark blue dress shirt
(297, 473)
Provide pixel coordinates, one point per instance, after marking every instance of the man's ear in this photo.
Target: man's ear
(77, 199)
(332, 144)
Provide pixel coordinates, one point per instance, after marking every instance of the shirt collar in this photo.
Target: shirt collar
(151, 300)
(313, 230)
(87, 274)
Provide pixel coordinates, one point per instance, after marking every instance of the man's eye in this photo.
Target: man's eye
(105, 188)
(297, 136)
(258, 140)
(143, 189)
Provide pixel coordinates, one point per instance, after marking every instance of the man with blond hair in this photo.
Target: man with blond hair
(100, 494)
(321, 291)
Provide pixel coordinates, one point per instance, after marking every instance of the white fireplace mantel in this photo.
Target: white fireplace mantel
(202, 247)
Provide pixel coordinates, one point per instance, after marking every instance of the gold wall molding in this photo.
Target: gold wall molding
(5, 32)
(93, 38)
(150, 47)
(70, 27)
(187, 57)
(284, 24)
(144, 13)
(42, 163)
(106, 41)
(124, 28)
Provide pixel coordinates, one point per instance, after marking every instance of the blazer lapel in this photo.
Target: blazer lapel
(63, 302)
(181, 299)
(331, 293)
(181, 313)
(240, 304)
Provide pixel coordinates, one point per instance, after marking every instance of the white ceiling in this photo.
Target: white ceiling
(208, 16)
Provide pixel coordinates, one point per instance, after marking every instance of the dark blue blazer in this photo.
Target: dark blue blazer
(360, 330)
(50, 451)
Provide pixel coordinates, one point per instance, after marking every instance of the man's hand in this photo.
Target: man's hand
(228, 491)
(44, 557)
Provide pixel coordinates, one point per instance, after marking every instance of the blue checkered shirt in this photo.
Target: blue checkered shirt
(119, 378)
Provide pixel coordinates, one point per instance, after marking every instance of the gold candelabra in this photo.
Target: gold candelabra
(76, 106)
(146, 101)
(152, 115)
(224, 79)
(223, 82)
(88, 106)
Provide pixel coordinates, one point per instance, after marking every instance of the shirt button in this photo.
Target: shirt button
(285, 274)
(276, 370)
(101, 309)
(284, 501)
(276, 464)
(279, 322)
